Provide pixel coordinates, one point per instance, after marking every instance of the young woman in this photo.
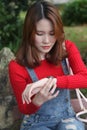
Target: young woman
(38, 64)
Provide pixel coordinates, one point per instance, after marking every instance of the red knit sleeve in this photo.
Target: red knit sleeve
(79, 79)
(18, 78)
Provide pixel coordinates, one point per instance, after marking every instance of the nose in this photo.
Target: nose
(46, 39)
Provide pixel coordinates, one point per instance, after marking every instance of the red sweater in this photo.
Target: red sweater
(19, 76)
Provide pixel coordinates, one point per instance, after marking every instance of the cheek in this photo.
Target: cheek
(37, 42)
(53, 39)
(38, 39)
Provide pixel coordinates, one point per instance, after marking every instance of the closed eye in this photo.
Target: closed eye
(52, 33)
(39, 33)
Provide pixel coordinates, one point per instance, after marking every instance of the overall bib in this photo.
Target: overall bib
(55, 114)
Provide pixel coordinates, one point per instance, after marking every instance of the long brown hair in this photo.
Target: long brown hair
(27, 54)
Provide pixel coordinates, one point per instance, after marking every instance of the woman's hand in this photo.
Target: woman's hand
(46, 93)
(32, 89)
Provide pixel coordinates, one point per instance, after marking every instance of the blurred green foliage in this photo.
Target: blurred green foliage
(10, 21)
(12, 15)
(75, 13)
(78, 34)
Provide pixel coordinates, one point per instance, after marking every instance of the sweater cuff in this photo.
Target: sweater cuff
(62, 82)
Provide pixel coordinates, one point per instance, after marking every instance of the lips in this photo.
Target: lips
(45, 47)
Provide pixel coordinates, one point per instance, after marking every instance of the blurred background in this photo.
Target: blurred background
(73, 13)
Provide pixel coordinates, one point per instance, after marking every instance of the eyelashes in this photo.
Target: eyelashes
(42, 33)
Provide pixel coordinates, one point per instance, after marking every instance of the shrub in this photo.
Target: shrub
(10, 22)
(75, 13)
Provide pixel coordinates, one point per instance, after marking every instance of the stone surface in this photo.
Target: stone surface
(6, 94)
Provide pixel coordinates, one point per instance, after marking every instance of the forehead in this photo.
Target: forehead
(44, 24)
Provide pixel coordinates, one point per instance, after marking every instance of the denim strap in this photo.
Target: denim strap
(65, 67)
(32, 74)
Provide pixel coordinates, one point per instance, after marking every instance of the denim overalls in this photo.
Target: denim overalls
(55, 114)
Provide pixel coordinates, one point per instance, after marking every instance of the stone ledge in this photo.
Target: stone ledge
(76, 105)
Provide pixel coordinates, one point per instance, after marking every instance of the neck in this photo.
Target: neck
(42, 57)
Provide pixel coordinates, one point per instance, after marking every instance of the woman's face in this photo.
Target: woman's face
(44, 37)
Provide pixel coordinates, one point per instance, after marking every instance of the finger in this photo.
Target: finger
(52, 91)
(41, 81)
(36, 90)
(27, 94)
(54, 95)
(25, 98)
(33, 92)
(49, 85)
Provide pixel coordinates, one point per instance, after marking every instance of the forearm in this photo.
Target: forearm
(72, 82)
